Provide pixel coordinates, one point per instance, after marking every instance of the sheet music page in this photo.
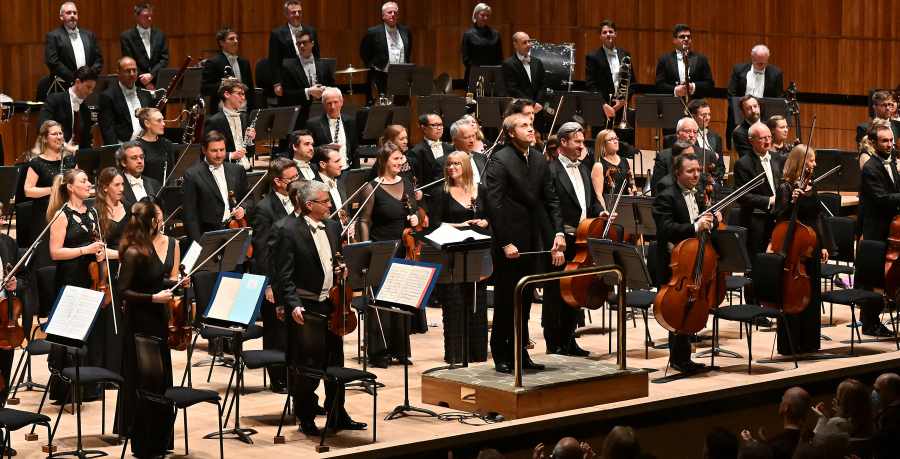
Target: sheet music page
(405, 284)
(190, 258)
(251, 290)
(447, 234)
(225, 296)
(74, 313)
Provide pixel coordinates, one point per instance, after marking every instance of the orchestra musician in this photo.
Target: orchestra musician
(282, 41)
(481, 45)
(882, 104)
(214, 69)
(397, 135)
(328, 160)
(670, 68)
(50, 157)
(866, 146)
(384, 218)
(69, 47)
(518, 188)
(273, 207)
(149, 267)
(426, 153)
(137, 185)
(675, 211)
(146, 45)
(301, 283)
(159, 152)
(113, 215)
(119, 104)
(577, 201)
(335, 127)
(608, 145)
(757, 206)
(781, 146)
(700, 112)
(69, 110)
(304, 79)
(479, 135)
(523, 74)
(663, 166)
(204, 193)
(740, 137)
(463, 134)
(601, 69)
(9, 253)
(301, 144)
(385, 44)
(233, 123)
(756, 78)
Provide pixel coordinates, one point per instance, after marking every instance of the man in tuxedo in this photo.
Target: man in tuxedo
(385, 44)
(303, 247)
(757, 205)
(426, 153)
(664, 165)
(69, 47)
(275, 206)
(670, 68)
(523, 74)
(118, 104)
(69, 110)
(333, 127)
(463, 134)
(327, 159)
(521, 202)
(282, 41)
(130, 157)
(304, 79)
(577, 201)
(881, 104)
(757, 78)
(146, 45)
(706, 138)
(233, 123)
(214, 69)
(676, 211)
(204, 193)
(601, 70)
(303, 146)
(741, 136)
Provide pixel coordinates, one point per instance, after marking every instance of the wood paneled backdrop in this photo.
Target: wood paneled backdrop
(826, 46)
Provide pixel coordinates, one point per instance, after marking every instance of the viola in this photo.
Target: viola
(891, 266)
(12, 335)
(409, 240)
(343, 320)
(98, 275)
(237, 222)
(181, 320)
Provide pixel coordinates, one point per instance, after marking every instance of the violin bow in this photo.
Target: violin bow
(249, 193)
(353, 220)
(812, 130)
(348, 200)
(561, 99)
(112, 298)
(197, 266)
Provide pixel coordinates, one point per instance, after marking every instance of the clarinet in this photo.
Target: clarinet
(247, 141)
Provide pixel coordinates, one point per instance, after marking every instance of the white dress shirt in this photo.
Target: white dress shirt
(77, 47)
(218, 173)
(756, 82)
(236, 71)
(309, 68)
(293, 38)
(395, 47)
(324, 248)
(612, 57)
(286, 202)
(333, 191)
(131, 99)
(145, 37)
(572, 168)
(887, 166)
(337, 127)
(691, 201)
(76, 107)
(526, 62)
(767, 166)
(476, 176)
(137, 186)
(305, 169)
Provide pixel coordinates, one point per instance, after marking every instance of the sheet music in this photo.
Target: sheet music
(405, 284)
(225, 296)
(190, 258)
(74, 313)
(446, 234)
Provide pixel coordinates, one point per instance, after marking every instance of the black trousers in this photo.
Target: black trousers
(507, 273)
(679, 348)
(558, 318)
(273, 338)
(303, 389)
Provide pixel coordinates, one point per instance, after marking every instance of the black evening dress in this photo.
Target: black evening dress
(159, 158)
(138, 281)
(112, 359)
(46, 171)
(619, 176)
(481, 46)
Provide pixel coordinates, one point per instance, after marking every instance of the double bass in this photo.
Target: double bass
(12, 335)
(343, 320)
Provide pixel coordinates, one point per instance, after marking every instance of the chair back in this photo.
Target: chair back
(870, 257)
(651, 263)
(621, 232)
(46, 289)
(766, 276)
(832, 202)
(734, 216)
(843, 229)
(312, 352)
(152, 378)
(204, 282)
(60, 357)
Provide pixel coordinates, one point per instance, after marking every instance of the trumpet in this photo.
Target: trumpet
(623, 84)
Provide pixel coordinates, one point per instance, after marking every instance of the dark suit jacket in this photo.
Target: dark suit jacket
(862, 130)
(151, 186)
(262, 218)
(60, 57)
(114, 118)
(599, 78)
(569, 207)
(741, 139)
(517, 83)
(738, 85)
(755, 209)
(58, 107)
(294, 82)
(202, 205)
(321, 132)
(700, 74)
(664, 170)
(294, 252)
(517, 196)
(673, 225)
(218, 122)
(373, 49)
(422, 159)
(879, 199)
(281, 47)
(133, 46)
(214, 71)
(342, 191)
(715, 141)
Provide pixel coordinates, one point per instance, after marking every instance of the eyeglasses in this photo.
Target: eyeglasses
(688, 131)
(291, 179)
(326, 202)
(614, 139)
(436, 125)
(239, 93)
(684, 37)
(304, 43)
(453, 164)
(887, 105)
(764, 139)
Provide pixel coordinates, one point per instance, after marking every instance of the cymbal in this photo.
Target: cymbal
(350, 70)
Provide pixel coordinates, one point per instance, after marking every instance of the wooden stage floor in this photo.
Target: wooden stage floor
(423, 436)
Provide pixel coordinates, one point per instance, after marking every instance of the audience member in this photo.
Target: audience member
(886, 397)
(621, 443)
(853, 410)
(720, 444)
(755, 450)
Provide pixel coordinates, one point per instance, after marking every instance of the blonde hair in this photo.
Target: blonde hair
(59, 193)
(466, 182)
(600, 142)
(866, 145)
(41, 142)
(143, 116)
(479, 135)
(793, 167)
(391, 133)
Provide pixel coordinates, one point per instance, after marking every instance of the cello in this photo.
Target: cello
(12, 335)
(343, 320)
(891, 265)
(181, 319)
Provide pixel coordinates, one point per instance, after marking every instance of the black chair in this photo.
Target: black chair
(766, 287)
(314, 351)
(734, 216)
(40, 346)
(61, 366)
(253, 360)
(736, 284)
(869, 276)
(832, 202)
(843, 229)
(152, 386)
(11, 420)
(47, 85)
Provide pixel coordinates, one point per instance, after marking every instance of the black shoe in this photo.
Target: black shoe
(880, 332)
(433, 303)
(279, 387)
(576, 351)
(319, 411)
(309, 428)
(503, 367)
(378, 362)
(8, 451)
(557, 350)
(762, 322)
(687, 367)
(349, 424)
(528, 364)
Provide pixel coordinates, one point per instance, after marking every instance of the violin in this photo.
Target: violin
(237, 222)
(342, 214)
(12, 335)
(181, 320)
(409, 240)
(98, 275)
(891, 266)
(709, 190)
(343, 320)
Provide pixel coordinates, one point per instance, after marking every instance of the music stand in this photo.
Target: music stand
(93, 160)
(276, 123)
(187, 156)
(103, 82)
(382, 116)
(490, 110)
(349, 108)
(189, 86)
(587, 105)
(252, 179)
(658, 111)
(450, 107)
(847, 178)
(409, 80)
(354, 179)
(768, 107)
(640, 220)
(493, 80)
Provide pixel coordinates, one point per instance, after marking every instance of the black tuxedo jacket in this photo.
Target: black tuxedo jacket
(756, 202)
(342, 192)
(738, 85)
(667, 74)
(673, 225)
(321, 132)
(517, 83)
(373, 49)
(151, 186)
(518, 195)
(569, 207)
(424, 164)
(214, 72)
(294, 82)
(202, 204)
(133, 46)
(114, 118)
(58, 107)
(715, 141)
(219, 122)
(599, 78)
(60, 57)
(740, 139)
(664, 170)
(263, 218)
(862, 130)
(438, 172)
(281, 47)
(299, 267)
(879, 199)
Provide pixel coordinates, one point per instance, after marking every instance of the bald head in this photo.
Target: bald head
(521, 43)
(795, 404)
(568, 448)
(760, 138)
(888, 387)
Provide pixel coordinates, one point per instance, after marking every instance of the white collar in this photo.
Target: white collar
(142, 30)
(230, 57)
(230, 112)
(521, 57)
(610, 51)
(314, 225)
(132, 178)
(685, 190)
(332, 120)
(71, 31)
(566, 162)
(74, 98)
(126, 90)
(294, 29)
(389, 28)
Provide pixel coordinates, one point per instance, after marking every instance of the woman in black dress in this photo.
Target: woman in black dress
(481, 45)
(780, 145)
(149, 267)
(607, 147)
(397, 135)
(806, 325)
(384, 218)
(73, 249)
(159, 152)
(452, 205)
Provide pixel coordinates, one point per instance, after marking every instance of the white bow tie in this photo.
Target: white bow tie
(765, 157)
(757, 72)
(309, 60)
(573, 164)
(435, 143)
(136, 182)
(611, 52)
(130, 92)
(526, 59)
(886, 161)
(303, 165)
(331, 183)
(690, 192)
(73, 32)
(215, 168)
(318, 226)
